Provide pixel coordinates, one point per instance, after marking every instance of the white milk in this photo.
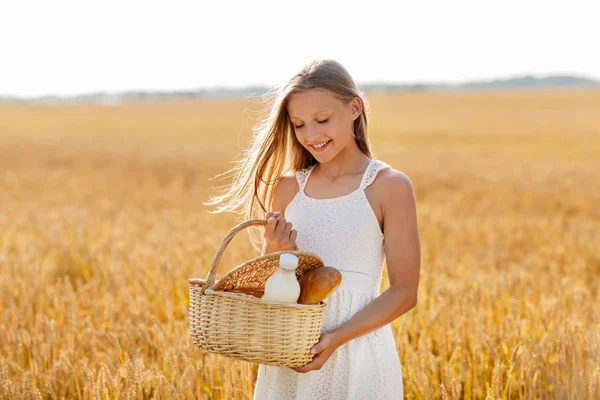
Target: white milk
(283, 285)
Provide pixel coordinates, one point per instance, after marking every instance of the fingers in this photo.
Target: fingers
(273, 221)
(279, 227)
(287, 228)
(278, 230)
(270, 226)
(272, 214)
(310, 366)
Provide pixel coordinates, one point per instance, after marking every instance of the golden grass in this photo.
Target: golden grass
(102, 224)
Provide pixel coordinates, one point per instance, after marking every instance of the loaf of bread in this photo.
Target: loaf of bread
(318, 283)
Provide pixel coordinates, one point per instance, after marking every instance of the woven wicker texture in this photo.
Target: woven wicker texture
(230, 319)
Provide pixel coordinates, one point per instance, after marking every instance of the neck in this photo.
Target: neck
(348, 162)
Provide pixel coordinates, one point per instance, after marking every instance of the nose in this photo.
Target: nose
(312, 131)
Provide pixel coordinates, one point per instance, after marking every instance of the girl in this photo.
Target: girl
(351, 210)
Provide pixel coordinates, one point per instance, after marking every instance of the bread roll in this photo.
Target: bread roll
(318, 283)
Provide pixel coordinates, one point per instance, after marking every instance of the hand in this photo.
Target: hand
(328, 343)
(279, 233)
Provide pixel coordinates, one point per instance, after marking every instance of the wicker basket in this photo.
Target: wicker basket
(229, 318)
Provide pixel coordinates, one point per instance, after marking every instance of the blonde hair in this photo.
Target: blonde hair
(274, 150)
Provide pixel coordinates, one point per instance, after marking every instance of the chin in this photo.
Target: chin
(324, 158)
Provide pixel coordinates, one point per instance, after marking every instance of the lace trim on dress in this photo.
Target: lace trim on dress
(371, 173)
(368, 177)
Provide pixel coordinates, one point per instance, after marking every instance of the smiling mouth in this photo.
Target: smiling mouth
(321, 146)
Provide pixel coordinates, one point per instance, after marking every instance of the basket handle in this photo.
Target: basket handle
(225, 242)
(215, 264)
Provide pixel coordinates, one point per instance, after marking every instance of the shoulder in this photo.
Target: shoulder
(288, 183)
(285, 190)
(393, 186)
(398, 180)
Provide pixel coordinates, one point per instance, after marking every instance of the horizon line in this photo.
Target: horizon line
(225, 87)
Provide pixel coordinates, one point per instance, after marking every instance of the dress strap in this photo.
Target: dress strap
(374, 167)
(302, 176)
(368, 177)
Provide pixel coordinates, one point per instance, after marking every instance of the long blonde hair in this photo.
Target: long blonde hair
(274, 150)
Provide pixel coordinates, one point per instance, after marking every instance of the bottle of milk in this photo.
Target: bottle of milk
(283, 285)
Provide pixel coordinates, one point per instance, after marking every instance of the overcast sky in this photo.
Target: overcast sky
(68, 48)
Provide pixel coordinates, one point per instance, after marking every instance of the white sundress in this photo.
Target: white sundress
(345, 233)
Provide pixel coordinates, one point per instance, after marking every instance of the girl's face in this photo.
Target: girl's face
(323, 124)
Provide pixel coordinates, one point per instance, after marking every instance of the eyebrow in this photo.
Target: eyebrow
(318, 112)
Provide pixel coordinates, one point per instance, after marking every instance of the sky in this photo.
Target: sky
(76, 47)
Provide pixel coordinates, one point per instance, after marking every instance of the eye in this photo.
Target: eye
(321, 122)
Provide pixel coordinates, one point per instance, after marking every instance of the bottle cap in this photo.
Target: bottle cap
(288, 261)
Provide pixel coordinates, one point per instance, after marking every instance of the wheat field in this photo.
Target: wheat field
(102, 223)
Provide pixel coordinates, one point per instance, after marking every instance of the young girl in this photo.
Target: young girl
(341, 204)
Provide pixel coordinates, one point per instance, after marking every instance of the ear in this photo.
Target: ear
(356, 107)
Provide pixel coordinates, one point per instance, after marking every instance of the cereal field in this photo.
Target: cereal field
(102, 222)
